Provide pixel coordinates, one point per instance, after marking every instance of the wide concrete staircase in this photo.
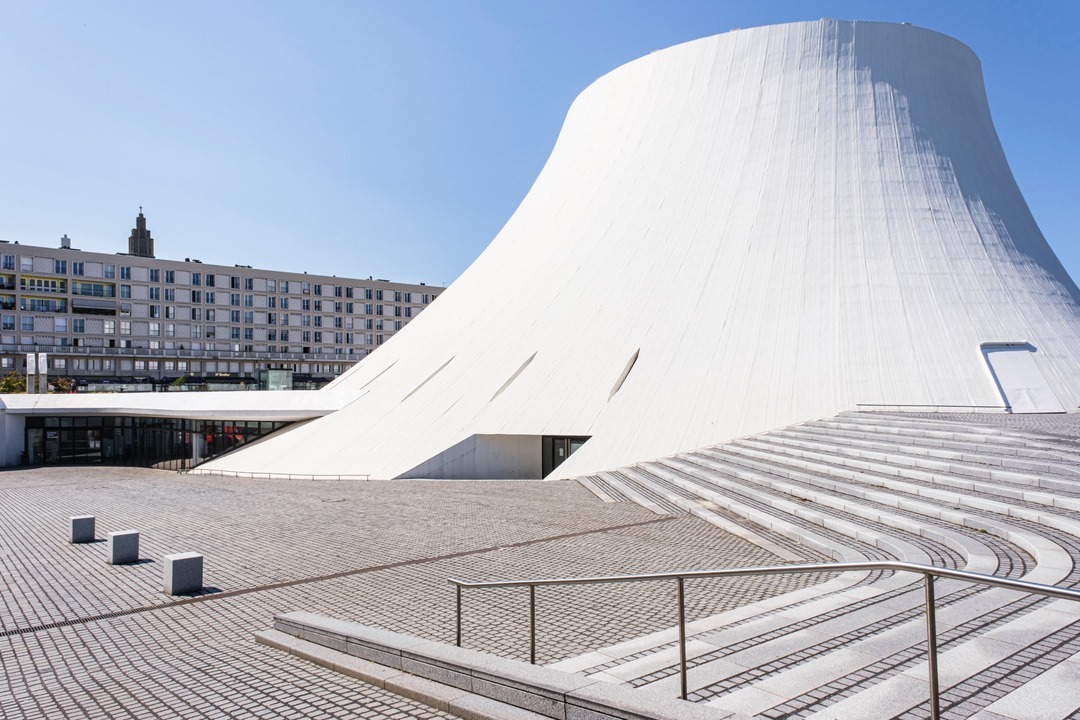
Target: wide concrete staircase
(989, 494)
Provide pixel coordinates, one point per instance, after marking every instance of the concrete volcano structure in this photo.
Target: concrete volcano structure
(731, 235)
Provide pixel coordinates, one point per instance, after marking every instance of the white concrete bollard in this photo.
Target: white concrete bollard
(123, 547)
(183, 573)
(82, 528)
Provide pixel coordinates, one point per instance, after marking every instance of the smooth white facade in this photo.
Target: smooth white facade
(777, 223)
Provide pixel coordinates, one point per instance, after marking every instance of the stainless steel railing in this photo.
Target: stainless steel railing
(928, 572)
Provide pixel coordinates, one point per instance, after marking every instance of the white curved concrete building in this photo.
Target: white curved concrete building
(731, 235)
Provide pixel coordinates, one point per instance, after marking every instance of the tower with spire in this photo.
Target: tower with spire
(140, 243)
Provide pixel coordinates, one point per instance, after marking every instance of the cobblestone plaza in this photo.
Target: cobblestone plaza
(82, 638)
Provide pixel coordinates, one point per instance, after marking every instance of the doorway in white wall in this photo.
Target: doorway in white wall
(1019, 380)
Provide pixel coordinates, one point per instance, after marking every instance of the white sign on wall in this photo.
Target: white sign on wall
(31, 364)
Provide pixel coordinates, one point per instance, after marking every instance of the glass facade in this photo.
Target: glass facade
(163, 443)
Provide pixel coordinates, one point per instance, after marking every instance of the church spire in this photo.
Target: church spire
(140, 243)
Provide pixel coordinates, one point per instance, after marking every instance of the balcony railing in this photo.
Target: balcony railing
(74, 350)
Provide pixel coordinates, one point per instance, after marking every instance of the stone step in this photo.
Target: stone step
(1017, 457)
(944, 432)
(980, 458)
(884, 465)
(990, 433)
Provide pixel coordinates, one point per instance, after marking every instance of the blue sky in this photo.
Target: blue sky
(394, 138)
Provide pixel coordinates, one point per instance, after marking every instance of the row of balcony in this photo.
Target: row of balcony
(74, 350)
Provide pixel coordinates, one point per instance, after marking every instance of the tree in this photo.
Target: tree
(62, 385)
(13, 382)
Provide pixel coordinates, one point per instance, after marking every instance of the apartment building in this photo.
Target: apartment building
(135, 318)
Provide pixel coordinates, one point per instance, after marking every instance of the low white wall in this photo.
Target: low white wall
(11, 437)
(485, 457)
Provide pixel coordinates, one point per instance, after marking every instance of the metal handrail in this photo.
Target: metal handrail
(929, 572)
(267, 476)
(1005, 408)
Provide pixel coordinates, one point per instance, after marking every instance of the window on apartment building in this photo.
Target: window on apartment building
(306, 336)
(318, 321)
(125, 272)
(211, 331)
(378, 309)
(271, 286)
(7, 262)
(249, 317)
(108, 271)
(196, 279)
(349, 339)
(249, 284)
(379, 324)
(284, 336)
(140, 365)
(125, 291)
(397, 311)
(271, 335)
(155, 275)
(378, 294)
(317, 290)
(234, 282)
(78, 268)
(59, 266)
(337, 322)
(425, 299)
(170, 312)
(170, 276)
(367, 293)
(7, 322)
(397, 324)
(234, 333)
(271, 301)
(196, 313)
(155, 293)
(60, 325)
(271, 318)
(182, 365)
(318, 336)
(305, 320)
(211, 280)
(109, 327)
(338, 290)
(210, 315)
(305, 288)
(155, 311)
(284, 303)
(234, 316)
(397, 296)
(249, 333)
(155, 329)
(125, 326)
(27, 323)
(234, 299)
(349, 308)
(26, 264)
(196, 296)
(369, 324)
(408, 312)
(196, 331)
(170, 330)
(249, 301)
(284, 318)
(170, 294)
(211, 297)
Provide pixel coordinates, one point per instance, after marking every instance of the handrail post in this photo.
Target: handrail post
(682, 640)
(931, 646)
(532, 624)
(458, 614)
